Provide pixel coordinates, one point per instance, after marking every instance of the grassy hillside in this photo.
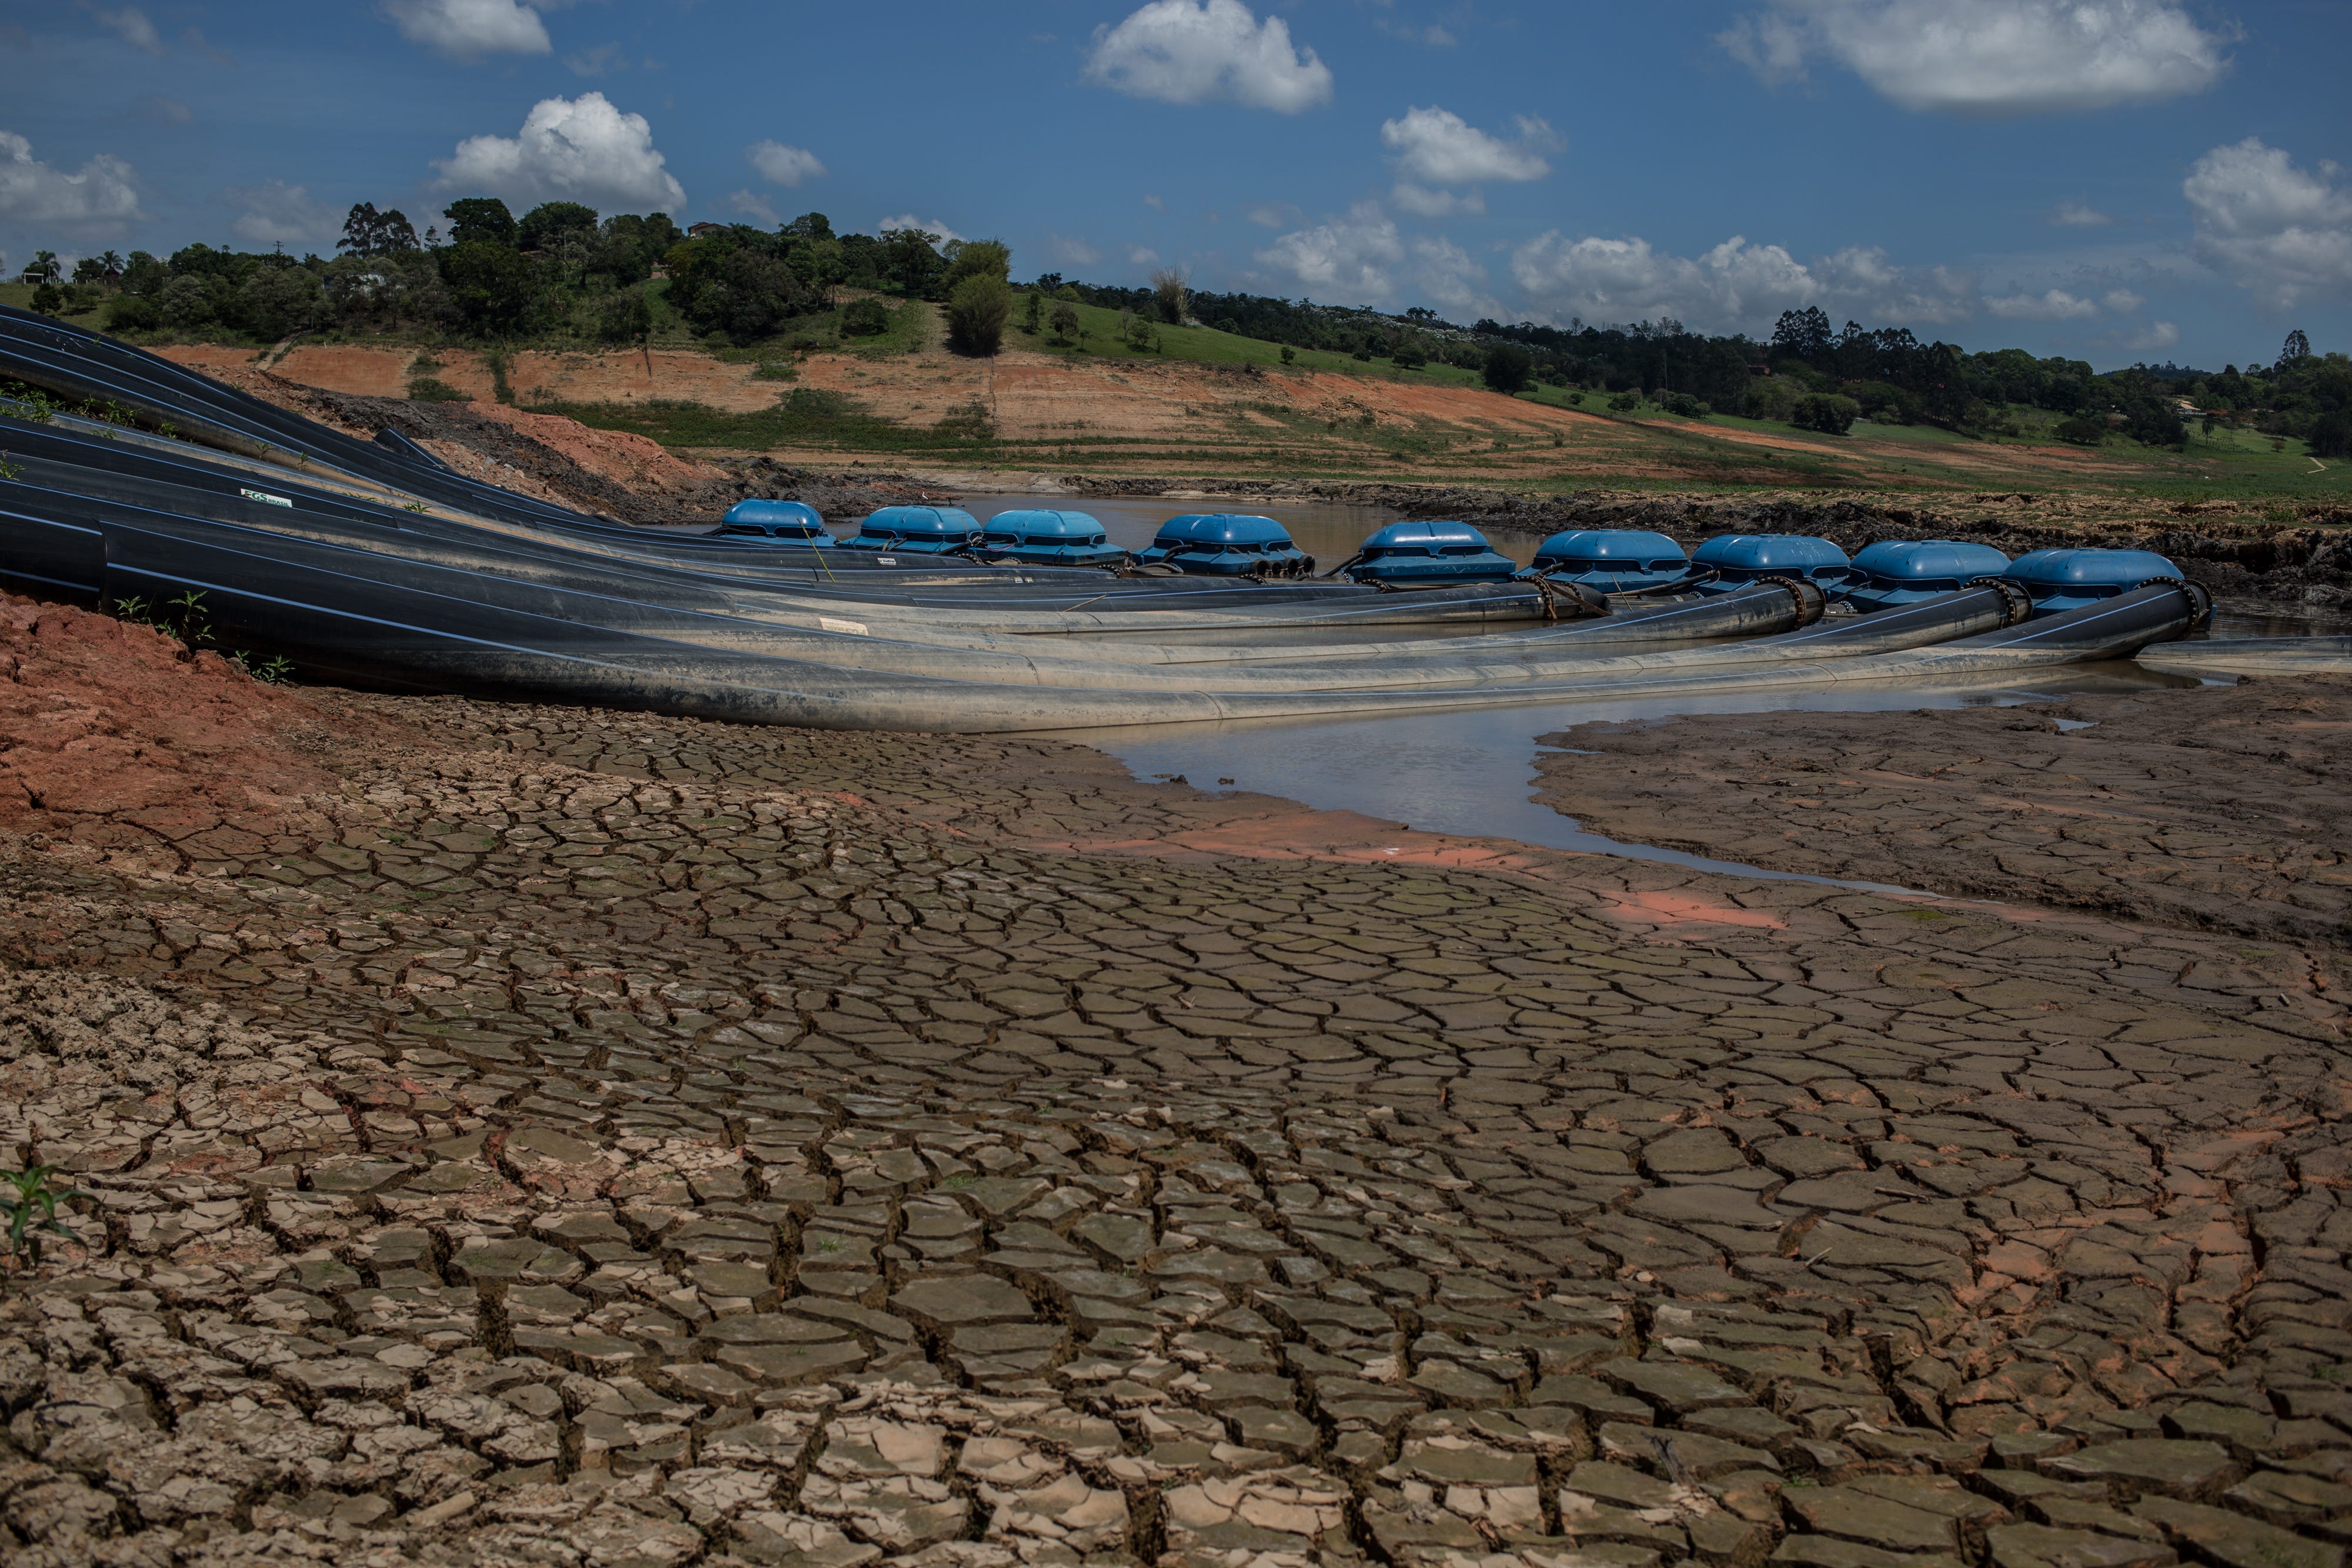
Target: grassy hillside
(1329, 416)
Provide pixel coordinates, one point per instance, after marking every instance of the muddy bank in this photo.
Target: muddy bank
(2218, 808)
(120, 740)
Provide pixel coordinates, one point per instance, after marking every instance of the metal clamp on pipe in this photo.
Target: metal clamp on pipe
(2199, 596)
(1811, 602)
(2019, 602)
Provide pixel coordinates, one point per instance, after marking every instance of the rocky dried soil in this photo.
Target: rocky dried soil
(597, 1140)
(2214, 807)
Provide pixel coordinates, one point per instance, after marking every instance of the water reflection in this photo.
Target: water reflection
(1470, 773)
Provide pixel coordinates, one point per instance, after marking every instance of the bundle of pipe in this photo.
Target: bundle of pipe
(434, 592)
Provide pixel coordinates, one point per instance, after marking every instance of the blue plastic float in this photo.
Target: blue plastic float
(1050, 538)
(916, 530)
(786, 522)
(2060, 580)
(1730, 561)
(1904, 572)
(1227, 544)
(1611, 560)
(1428, 555)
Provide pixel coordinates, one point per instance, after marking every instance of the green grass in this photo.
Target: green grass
(808, 416)
(1208, 346)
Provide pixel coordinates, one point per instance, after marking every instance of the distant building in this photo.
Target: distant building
(696, 231)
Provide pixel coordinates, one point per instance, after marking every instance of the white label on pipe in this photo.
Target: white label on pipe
(854, 628)
(257, 495)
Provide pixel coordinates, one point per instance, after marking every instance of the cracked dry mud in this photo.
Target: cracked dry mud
(2220, 807)
(618, 1141)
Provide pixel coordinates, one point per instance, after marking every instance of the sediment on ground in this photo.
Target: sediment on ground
(590, 1138)
(2213, 806)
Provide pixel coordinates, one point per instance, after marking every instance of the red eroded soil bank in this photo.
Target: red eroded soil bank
(114, 736)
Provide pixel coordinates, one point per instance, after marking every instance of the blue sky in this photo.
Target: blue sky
(2109, 179)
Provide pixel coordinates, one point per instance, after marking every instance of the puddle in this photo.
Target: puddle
(1469, 773)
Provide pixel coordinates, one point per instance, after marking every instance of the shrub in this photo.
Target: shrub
(134, 313)
(625, 319)
(977, 311)
(1065, 320)
(2331, 436)
(1828, 412)
(1625, 402)
(2080, 431)
(1170, 294)
(424, 389)
(1408, 357)
(976, 258)
(1508, 368)
(1288, 354)
(49, 299)
(1683, 404)
(864, 319)
(1775, 398)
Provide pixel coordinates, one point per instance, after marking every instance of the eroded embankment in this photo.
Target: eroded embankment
(119, 736)
(2223, 808)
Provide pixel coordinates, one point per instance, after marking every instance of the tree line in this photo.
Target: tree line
(563, 270)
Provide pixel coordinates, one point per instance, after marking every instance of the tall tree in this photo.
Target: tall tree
(549, 223)
(480, 219)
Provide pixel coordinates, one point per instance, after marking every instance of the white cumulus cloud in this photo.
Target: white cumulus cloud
(1991, 56)
(910, 221)
(100, 199)
(469, 29)
(1190, 51)
(751, 204)
(130, 24)
(1072, 250)
(2078, 215)
(1735, 285)
(2276, 230)
(2052, 304)
(1437, 147)
(780, 165)
(2147, 339)
(1355, 255)
(1361, 258)
(2122, 301)
(277, 212)
(1424, 203)
(570, 150)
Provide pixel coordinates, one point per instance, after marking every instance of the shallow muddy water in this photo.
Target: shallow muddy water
(1471, 773)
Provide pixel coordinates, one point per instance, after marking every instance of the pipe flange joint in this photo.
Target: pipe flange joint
(2199, 597)
(1811, 602)
(2017, 605)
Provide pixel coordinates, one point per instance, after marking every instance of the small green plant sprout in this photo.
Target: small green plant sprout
(184, 618)
(275, 671)
(414, 506)
(31, 1203)
(8, 470)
